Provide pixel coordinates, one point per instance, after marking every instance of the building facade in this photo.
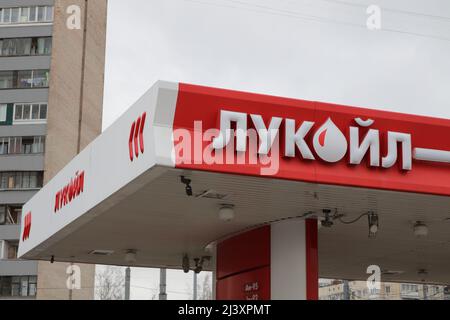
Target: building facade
(358, 290)
(51, 95)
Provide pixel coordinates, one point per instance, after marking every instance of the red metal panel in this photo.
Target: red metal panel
(204, 104)
(243, 252)
(251, 285)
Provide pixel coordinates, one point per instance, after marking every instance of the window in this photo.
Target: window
(3, 112)
(41, 14)
(18, 180)
(40, 78)
(14, 145)
(49, 14)
(22, 145)
(7, 15)
(6, 79)
(25, 112)
(35, 112)
(3, 181)
(32, 17)
(2, 215)
(24, 286)
(38, 145)
(10, 214)
(25, 12)
(410, 287)
(21, 180)
(25, 180)
(32, 286)
(23, 47)
(44, 46)
(24, 79)
(4, 146)
(15, 15)
(18, 112)
(12, 250)
(9, 47)
(387, 289)
(42, 112)
(27, 145)
(20, 15)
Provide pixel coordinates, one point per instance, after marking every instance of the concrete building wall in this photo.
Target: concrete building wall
(74, 117)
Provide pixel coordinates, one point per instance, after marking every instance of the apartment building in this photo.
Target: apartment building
(51, 96)
(358, 290)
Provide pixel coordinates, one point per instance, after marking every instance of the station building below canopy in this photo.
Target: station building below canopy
(270, 193)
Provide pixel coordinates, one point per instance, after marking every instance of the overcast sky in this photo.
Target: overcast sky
(308, 49)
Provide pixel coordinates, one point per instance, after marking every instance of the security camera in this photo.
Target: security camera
(328, 221)
(200, 262)
(187, 183)
(198, 266)
(189, 190)
(186, 264)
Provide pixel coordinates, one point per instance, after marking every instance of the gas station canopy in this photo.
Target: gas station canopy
(154, 183)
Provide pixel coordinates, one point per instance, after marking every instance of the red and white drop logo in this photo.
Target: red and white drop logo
(330, 143)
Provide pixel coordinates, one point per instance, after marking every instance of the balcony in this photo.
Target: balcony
(18, 268)
(22, 162)
(17, 196)
(9, 232)
(410, 295)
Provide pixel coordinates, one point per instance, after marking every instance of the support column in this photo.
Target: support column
(162, 284)
(279, 261)
(127, 283)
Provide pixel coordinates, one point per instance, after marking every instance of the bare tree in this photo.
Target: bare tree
(205, 292)
(204, 287)
(110, 283)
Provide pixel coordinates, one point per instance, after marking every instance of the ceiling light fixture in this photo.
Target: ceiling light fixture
(422, 273)
(420, 229)
(130, 256)
(186, 264)
(102, 252)
(226, 212)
